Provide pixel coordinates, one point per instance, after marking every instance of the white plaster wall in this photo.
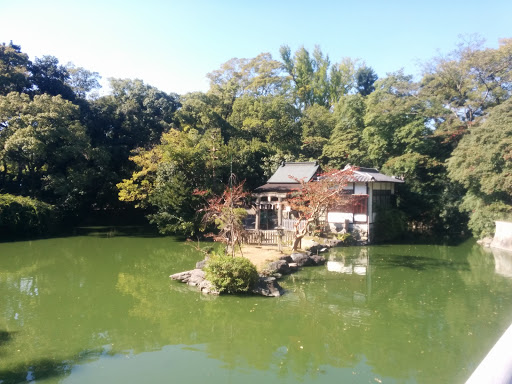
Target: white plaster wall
(360, 189)
(361, 217)
(339, 217)
(503, 236)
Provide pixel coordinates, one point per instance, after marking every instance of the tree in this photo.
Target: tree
(44, 149)
(227, 211)
(365, 78)
(317, 124)
(396, 119)
(200, 111)
(49, 77)
(249, 158)
(271, 119)
(482, 163)
(260, 76)
(134, 115)
(167, 175)
(466, 83)
(144, 112)
(81, 80)
(301, 70)
(346, 144)
(13, 69)
(342, 79)
(312, 199)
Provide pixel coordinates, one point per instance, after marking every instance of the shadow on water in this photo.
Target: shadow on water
(417, 238)
(419, 263)
(35, 370)
(139, 231)
(42, 369)
(29, 371)
(116, 231)
(5, 338)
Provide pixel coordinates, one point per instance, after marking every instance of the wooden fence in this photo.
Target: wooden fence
(289, 224)
(272, 236)
(268, 237)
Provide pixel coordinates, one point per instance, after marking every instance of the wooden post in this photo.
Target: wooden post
(280, 212)
(258, 214)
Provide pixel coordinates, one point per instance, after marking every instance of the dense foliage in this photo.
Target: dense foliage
(231, 274)
(23, 215)
(448, 134)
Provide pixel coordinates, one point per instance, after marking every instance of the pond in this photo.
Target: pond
(100, 308)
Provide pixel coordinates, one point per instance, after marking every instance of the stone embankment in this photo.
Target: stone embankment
(267, 284)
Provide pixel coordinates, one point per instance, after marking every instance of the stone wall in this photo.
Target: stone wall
(503, 236)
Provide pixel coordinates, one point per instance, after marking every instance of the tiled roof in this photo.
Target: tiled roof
(369, 175)
(282, 182)
(278, 187)
(288, 172)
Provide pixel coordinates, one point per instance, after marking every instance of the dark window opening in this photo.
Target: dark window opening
(381, 199)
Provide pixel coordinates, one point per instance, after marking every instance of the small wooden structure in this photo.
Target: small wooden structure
(367, 190)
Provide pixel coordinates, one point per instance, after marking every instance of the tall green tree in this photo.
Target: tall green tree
(482, 163)
(342, 79)
(317, 124)
(168, 174)
(44, 149)
(14, 73)
(200, 111)
(346, 144)
(465, 84)
(48, 76)
(271, 119)
(81, 80)
(396, 119)
(301, 70)
(133, 115)
(365, 79)
(260, 76)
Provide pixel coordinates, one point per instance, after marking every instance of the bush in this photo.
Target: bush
(390, 224)
(231, 274)
(22, 216)
(483, 214)
(346, 238)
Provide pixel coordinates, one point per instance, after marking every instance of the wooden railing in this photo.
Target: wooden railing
(289, 224)
(268, 237)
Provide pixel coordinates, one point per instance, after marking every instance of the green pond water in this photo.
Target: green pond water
(100, 308)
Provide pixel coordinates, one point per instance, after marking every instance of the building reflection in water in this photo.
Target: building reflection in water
(349, 265)
(355, 269)
(502, 261)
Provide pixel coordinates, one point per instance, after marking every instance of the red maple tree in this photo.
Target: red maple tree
(227, 211)
(312, 199)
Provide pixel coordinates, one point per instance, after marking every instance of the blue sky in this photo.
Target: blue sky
(173, 45)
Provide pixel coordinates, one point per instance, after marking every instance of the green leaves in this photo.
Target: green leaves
(23, 216)
(231, 274)
(44, 141)
(13, 69)
(482, 163)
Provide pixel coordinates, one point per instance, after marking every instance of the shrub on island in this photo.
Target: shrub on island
(231, 274)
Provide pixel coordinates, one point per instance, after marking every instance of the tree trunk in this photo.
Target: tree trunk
(296, 243)
(300, 233)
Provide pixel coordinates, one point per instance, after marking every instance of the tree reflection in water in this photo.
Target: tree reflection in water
(407, 313)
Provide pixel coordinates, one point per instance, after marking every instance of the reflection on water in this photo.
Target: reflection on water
(349, 265)
(102, 309)
(502, 261)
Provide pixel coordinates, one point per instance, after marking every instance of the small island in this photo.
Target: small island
(269, 262)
